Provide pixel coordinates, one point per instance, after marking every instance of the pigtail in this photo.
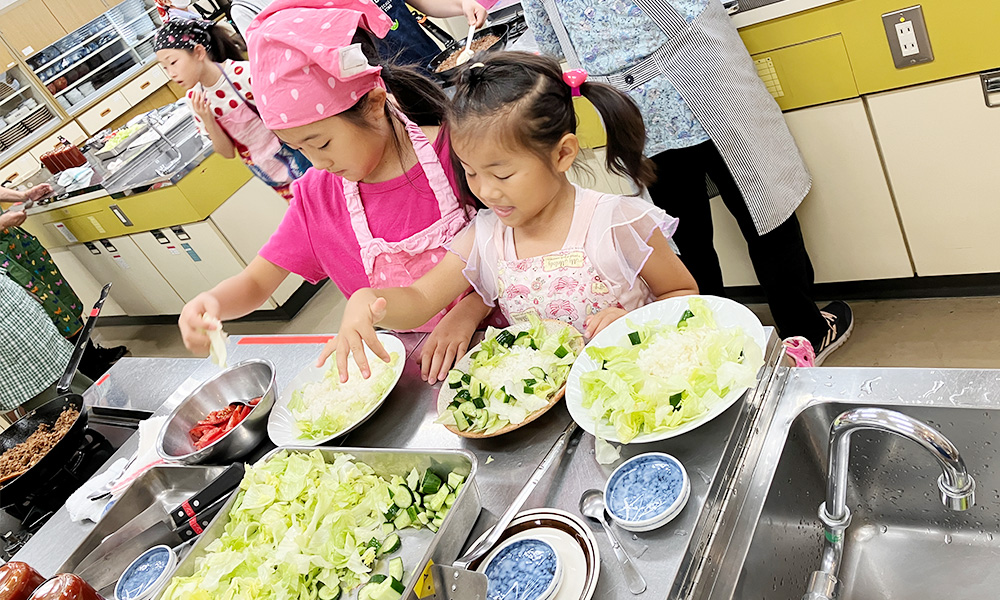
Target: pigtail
(626, 133)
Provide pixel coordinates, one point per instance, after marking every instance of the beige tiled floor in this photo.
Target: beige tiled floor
(940, 332)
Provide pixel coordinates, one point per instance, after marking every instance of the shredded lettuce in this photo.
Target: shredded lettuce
(506, 386)
(673, 375)
(326, 407)
(299, 525)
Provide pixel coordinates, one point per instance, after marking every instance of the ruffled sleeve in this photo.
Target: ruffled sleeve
(476, 246)
(618, 241)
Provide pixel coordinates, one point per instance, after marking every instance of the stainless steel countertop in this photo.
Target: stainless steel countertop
(406, 420)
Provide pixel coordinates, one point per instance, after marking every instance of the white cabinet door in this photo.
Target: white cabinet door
(848, 219)
(87, 288)
(138, 287)
(247, 220)
(192, 258)
(941, 146)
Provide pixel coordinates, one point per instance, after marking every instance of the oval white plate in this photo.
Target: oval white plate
(727, 314)
(281, 424)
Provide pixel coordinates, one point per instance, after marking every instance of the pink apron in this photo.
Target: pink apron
(257, 145)
(399, 264)
(563, 285)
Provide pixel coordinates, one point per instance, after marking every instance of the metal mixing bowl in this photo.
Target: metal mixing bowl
(244, 381)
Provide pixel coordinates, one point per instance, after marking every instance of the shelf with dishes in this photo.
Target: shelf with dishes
(23, 109)
(88, 62)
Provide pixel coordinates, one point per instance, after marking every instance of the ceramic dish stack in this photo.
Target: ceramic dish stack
(13, 134)
(647, 491)
(38, 118)
(544, 554)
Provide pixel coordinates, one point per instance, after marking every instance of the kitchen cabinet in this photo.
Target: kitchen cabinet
(6, 59)
(142, 86)
(247, 220)
(87, 288)
(139, 288)
(71, 131)
(192, 258)
(940, 144)
(72, 14)
(848, 219)
(30, 26)
(19, 169)
(104, 112)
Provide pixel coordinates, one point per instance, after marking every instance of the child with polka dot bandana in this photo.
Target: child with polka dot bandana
(203, 59)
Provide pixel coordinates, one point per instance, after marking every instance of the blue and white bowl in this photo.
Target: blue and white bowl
(647, 491)
(147, 575)
(525, 569)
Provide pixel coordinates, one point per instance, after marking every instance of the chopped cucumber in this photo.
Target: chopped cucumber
(466, 378)
(436, 501)
(390, 545)
(454, 379)
(478, 402)
(378, 578)
(538, 373)
(461, 420)
(387, 530)
(403, 520)
(632, 337)
(397, 584)
(463, 394)
(438, 522)
(450, 500)
(477, 388)
(374, 543)
(431, 483)
(675, 400)
(423, 518)
(684, 317)
(402, 496)
(329, 593)
(391, 513)
(561, 351)
(433, 527)
(412, 513)
(454, 479)
(505, 338)
(413, 479)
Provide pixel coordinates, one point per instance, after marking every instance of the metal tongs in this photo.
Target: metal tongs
(457, 582)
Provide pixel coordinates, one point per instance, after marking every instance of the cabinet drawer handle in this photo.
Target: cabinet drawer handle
(145, 85)
(105, 112)
(991, 87)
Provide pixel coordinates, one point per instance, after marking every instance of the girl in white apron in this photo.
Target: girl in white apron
(544, 247)
(380, 205)
(200, 58)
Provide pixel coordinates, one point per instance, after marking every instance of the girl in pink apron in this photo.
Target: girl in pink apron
(544, 246)
(380, 206)
(200, 57)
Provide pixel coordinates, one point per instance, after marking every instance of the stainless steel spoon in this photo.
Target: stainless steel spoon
(592, 507)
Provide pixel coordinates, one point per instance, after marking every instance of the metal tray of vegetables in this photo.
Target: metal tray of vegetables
(335, 524)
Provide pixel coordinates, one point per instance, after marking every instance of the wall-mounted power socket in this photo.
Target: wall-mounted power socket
(907, 35)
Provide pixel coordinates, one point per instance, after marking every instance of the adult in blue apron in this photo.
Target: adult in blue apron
(736, 135)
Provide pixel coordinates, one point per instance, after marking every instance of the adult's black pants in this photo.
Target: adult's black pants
(779, 257)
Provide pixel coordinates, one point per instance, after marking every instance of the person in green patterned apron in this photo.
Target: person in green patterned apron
(29, 264)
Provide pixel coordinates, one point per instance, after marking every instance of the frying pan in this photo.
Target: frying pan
(14, 490)
(501, 31)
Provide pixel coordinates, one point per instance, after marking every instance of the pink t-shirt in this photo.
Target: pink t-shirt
(315, 239)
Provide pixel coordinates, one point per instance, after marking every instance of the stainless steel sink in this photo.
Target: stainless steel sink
(902, 543)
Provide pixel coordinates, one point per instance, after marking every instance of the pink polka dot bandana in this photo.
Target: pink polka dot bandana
(303, 64)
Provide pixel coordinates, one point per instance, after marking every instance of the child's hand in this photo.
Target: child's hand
(447, 343)
(474, 12)
(201, 107)
(357, 328)
(596, 322)
(194, 324)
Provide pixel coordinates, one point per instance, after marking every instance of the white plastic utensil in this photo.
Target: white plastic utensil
(467, 53)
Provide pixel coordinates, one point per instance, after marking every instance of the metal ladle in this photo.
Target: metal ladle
(592, 506)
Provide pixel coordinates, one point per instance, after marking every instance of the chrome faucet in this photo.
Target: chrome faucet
(957, 487)
(154, 121)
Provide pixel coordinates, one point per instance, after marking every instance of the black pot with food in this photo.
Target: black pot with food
(35, 446)
(488, 39)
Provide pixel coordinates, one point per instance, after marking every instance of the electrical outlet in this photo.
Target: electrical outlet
(907, 39)
(907, 35)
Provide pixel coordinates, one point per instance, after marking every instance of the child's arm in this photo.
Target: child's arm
(451, 336)
(220, 140)
(473, 11)
(394, 308)
(663, 272)
(234, 297)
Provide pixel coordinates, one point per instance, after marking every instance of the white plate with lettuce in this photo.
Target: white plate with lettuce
(509, 379)
(315, 407)
(665, 369)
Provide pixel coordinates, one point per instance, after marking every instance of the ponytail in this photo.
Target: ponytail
(626, 133)
(225, 46)
(525, 96)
